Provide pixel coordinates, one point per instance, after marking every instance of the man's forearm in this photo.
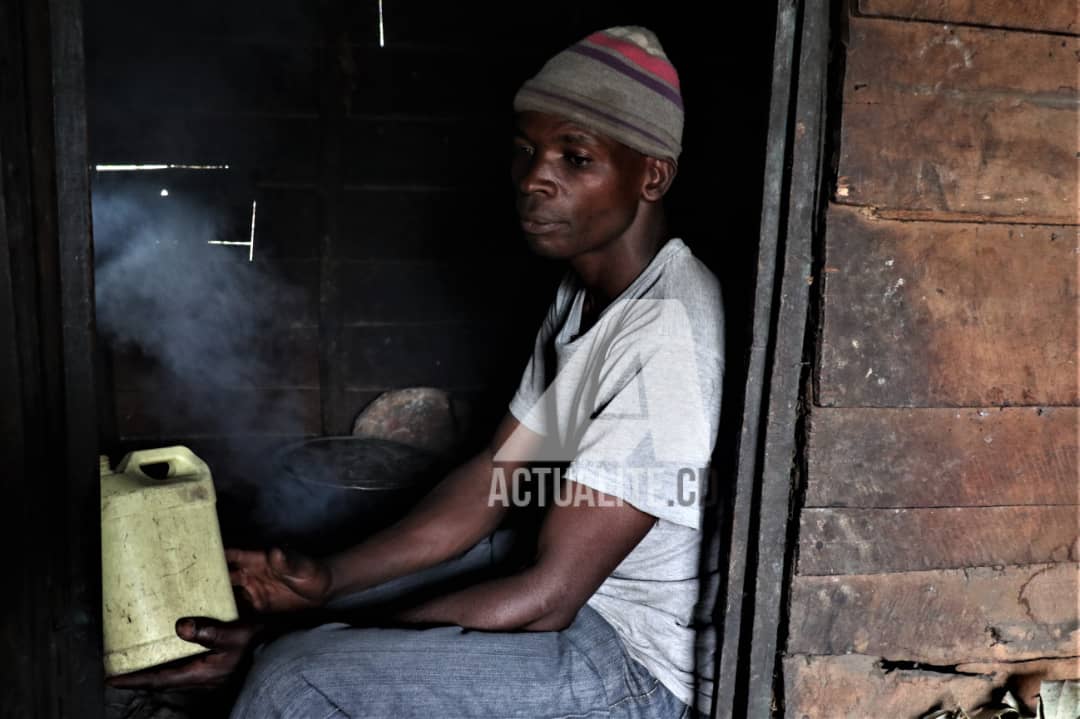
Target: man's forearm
(454, 516)
(527, 601)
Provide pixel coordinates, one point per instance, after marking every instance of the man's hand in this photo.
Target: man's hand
(228, 644)
(272, 581)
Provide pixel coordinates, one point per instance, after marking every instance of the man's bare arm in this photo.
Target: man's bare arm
(578, 548)
(456, 514)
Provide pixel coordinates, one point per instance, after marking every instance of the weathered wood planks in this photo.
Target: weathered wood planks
(857, 541)
(858, 686)
(1036, 669)
(940, 524)
(940, 617)
(960, 122)
(1048, 15)
(869, 457)
(948, 314)
(855, 685)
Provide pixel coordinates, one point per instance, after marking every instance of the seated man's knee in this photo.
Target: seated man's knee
(279, 679)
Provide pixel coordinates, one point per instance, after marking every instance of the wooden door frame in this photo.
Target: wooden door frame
(751, 608)
(48, 379)
(51, 632)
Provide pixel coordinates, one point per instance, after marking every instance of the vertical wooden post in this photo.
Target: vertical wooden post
(768, 454)
(78, 607)
(51, 630)
(736, 609)
(781, 444)
(332, 99)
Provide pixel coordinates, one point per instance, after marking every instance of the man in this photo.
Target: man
(622, 394)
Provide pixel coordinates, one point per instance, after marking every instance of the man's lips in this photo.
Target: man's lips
(539, 225)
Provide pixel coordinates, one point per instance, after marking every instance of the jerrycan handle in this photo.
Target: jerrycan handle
(181, 461)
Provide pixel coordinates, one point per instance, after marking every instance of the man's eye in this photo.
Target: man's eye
(522, 149)
(577, 160)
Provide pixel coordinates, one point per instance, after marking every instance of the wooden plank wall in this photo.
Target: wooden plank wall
(939, 535)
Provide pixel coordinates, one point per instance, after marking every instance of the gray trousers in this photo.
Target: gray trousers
(338, 670)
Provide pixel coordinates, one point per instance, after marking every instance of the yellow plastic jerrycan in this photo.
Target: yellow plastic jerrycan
(161, 557)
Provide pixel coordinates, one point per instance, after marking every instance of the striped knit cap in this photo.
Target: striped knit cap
(617, 82)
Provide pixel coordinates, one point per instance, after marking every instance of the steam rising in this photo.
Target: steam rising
(200, 312)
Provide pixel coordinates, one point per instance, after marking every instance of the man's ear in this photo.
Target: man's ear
(659, 174)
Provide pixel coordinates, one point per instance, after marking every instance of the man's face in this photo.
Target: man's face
(577, 190)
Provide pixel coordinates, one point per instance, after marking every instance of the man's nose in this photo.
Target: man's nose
(535, 176)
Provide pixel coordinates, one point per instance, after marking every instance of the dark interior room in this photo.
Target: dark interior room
(301, 214)
(305, 305)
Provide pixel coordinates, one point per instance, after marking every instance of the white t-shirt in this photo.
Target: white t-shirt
(633, 405)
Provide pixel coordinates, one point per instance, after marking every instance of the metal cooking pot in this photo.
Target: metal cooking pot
(328, 493)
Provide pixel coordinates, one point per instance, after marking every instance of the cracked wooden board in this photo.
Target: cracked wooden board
(860, 541)
(884, 457)
(960, 122)
(857, 686)
(1046, 15)
(1025, 678)
(941, 617)
(1047, 669)
(948, 313)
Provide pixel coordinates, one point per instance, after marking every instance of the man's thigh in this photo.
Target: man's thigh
(341, 671)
